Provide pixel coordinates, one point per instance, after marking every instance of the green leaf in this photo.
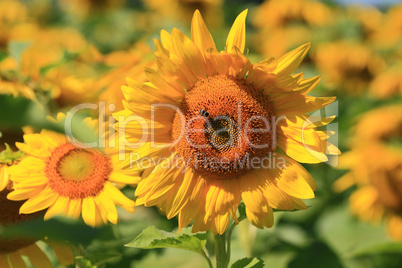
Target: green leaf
(248, 263)
(9, 155)
(98, 259)
(317, 255)
(155, 238)
(20, 112)
(382, 248)
(16, 49)
(3, 55)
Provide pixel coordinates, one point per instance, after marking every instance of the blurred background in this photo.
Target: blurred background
(55, 54)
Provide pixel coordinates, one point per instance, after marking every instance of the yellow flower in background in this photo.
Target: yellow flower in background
(43, 67)
(346, 66)
(387, 84)
(191, 166)
(283, 25)
(279, 40)
(368, 16)
(69, 179)
(83, 8)
(389, 34)
(182, 9)
(376, 168)
(124, 64)
(13, 249)
(279, 13)
(12, 13)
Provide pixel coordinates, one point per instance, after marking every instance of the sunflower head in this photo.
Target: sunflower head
(65, 177)
(234, 126)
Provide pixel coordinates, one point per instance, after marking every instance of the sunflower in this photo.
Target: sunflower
(348, 66)
(375, 165)
(387, 84)
(211, 144)
(12, 249)
(69, 179)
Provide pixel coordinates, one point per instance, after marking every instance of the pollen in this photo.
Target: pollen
(77, 172)
(225, 121)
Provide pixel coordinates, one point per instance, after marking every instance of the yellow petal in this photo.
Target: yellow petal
(291, 182)
(111, 212)
(188, 52)
(118, 197)
(166, 39)
(221, 223)
(89, 211)
(275, 197)
(300, 152)
(60, 207)
(291, 60)
(39, 202)
(237, 34)
(23, 194)
(299, 204)
(200, 34)
(307, 85)
(74, 208)
(252, 195)
(123, 178)
(181, 195)
(169, 87)
(4, 177)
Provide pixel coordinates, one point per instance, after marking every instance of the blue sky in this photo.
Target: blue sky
(371, 2)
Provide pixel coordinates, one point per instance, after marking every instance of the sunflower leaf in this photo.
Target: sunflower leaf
(152, 237)
(381, 248)
(248, 263)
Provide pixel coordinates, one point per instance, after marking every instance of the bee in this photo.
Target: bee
(204, 112)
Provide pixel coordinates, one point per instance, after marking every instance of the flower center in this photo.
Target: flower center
(223, 123)
(76, 172)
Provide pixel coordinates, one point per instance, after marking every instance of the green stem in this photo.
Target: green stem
(208, 260)
(220, 251)
(228, 251)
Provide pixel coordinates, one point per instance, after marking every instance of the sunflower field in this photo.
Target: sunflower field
(200, 133)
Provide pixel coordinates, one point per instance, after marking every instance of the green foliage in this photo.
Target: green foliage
(20, 112)
(16, 49)
(315, 255)
(9, 155)
(381, 248)
(155, 238)
(248, 263)
(96, 259)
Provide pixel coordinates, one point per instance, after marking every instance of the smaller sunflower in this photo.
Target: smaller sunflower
(69, 179)
(376, 169)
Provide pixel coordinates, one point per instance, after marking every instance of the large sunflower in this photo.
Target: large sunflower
(222, 130)
(69, 179)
